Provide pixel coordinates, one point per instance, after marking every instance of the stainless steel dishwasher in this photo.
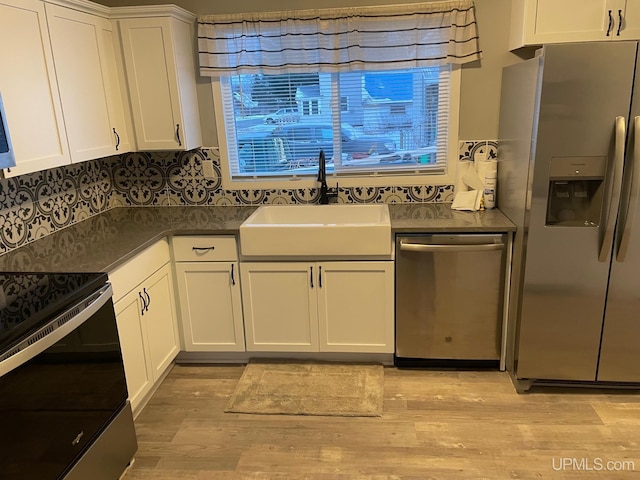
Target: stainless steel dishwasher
(450, 298)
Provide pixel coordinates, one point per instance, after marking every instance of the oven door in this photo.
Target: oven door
(59, 392)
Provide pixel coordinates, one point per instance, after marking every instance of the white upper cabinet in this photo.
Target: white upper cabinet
(158, 48)
(29, 88)
(64, 81)
(117, 102)
(85, 65)
(536, 22)
(630, 27)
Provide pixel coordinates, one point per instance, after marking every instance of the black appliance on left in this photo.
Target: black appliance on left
(64, 412)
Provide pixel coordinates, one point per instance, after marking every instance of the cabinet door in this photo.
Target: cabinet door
(163, 96)
(29, 88)
(573, 20)
(80, 58)
(160, 321)
(131, 274)
(210, 306)
(536, 22)
(137, 365)
(630, 27)
(116, 100)
(280, 306)
(355, 307)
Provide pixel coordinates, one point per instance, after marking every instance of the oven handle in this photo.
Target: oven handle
(26, 352)
(421, 247)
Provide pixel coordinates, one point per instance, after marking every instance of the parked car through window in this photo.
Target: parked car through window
(283, 115)
(305, 141)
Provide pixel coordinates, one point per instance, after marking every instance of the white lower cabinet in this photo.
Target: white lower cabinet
(159, 319)
(355, 307)
(146, 319)
(280, 307)
(318, 306)
(209, 293)
(210, 306)
(137, 364)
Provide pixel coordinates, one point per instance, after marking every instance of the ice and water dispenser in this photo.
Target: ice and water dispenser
(576, 187)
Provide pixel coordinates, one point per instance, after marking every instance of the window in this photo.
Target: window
(310, 107)
(344, 104)
(290, 84)
(397, 123)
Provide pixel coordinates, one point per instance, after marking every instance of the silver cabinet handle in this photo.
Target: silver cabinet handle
(632, 205)
(420, 247)
(614, 200)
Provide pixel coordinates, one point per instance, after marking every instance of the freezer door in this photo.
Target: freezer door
(620, 349)
(584, 88)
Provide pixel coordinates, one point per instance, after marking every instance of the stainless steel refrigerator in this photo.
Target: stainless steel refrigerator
(569, 179)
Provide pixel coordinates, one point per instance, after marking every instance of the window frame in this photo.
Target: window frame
(374, 179)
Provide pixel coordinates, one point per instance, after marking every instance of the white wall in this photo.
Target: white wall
(480, 95)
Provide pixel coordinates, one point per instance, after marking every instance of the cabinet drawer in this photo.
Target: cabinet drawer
(126, 277)
(205, 248)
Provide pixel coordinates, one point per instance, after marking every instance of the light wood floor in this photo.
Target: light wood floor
(436, 425)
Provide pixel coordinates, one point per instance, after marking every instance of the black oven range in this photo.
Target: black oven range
(64, 411)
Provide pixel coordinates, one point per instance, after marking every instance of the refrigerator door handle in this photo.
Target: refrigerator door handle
(632, 205)
(614, 200)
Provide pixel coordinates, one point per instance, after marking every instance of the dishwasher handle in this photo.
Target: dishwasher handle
(421, 247)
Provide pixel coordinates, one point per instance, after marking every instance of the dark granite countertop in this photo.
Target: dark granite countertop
(439, 217)
(102, 242)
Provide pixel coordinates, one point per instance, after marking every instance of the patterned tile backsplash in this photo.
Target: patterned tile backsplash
(176, 178)
(477, 150)
(38, 204)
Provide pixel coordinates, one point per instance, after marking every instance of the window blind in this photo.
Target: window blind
(368, 123)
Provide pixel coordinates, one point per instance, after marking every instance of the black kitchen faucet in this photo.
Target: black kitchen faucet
(325, 192)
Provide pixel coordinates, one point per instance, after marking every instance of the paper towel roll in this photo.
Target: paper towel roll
(461, 169)
(472, 180)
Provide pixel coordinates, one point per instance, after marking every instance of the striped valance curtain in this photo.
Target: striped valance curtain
(339, 39)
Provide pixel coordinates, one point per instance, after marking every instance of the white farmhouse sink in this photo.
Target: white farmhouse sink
(317, 231)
